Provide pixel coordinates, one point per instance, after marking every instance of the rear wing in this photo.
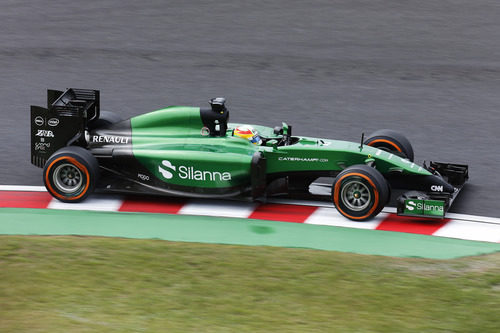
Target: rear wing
(63, 122)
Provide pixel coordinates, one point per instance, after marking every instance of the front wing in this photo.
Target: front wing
(434, 204)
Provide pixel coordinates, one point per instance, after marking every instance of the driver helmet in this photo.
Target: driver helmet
(249, 133)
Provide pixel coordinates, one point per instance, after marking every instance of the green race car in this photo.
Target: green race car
(196, 152)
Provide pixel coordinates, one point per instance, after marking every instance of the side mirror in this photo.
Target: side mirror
(284, 129)
(272, 143)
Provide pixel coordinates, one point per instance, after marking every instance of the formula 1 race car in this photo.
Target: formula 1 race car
(195, 152)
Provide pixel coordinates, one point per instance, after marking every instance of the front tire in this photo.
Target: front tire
(391, 141)
(360, 192)
(71, 174)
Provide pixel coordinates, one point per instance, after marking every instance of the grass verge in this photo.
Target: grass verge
(92, 284)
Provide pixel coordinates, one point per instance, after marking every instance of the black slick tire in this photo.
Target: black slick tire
(71, 174)
(391, 141)
(360, 192)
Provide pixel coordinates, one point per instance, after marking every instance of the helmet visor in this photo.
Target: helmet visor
(256, 140)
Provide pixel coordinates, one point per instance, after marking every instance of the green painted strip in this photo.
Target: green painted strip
(16, 221)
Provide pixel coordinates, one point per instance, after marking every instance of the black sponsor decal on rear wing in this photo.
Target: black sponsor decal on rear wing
(62, 123)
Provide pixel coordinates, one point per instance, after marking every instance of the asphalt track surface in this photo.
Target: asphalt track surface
(333, 69)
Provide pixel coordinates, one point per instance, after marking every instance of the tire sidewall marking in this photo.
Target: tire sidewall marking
(391, 143)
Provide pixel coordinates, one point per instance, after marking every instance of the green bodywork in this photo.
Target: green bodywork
(172, 145)
(427, 208)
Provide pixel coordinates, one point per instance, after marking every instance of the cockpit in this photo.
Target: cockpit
(215, 122)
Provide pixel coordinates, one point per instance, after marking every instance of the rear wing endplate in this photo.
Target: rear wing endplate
(63, 122)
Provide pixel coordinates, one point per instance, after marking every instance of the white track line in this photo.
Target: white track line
(470, 231)
(473, 218)
(219, 208)
(101, 203)
(331, 217)
(22, 188)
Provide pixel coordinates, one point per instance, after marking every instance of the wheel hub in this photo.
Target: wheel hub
(68, 178)
(356, 195)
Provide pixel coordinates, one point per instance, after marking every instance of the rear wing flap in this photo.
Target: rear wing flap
(85, 100)
(63, 122)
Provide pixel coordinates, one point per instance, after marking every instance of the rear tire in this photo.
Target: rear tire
(360, 192)
(391, 141)
(71, 174)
